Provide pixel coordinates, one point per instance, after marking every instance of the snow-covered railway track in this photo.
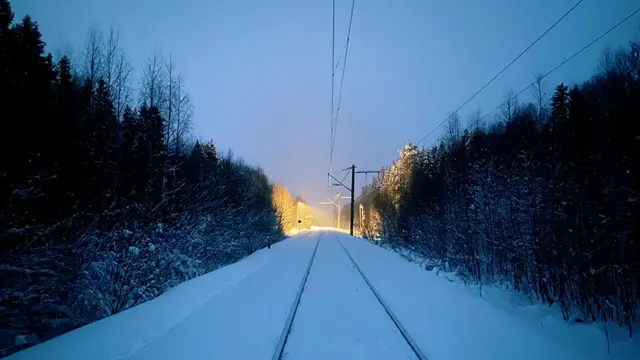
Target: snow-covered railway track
(277, 354)
(412, 344)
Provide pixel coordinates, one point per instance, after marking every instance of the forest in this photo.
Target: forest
(105, 198)
(545, 199)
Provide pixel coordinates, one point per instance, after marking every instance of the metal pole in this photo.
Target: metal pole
(353, 196)
(297, 217)
(339, 208)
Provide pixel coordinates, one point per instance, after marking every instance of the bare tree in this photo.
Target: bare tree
(509, 105)
(153, 85)
(121, 91)
(607, 61)
(171, 82)
(109, 60)
(65, 50)
(183, 110)
(452, 130)
(539, 95)
(116, 72)
(473, 121)
(93, 56)
(634, 59)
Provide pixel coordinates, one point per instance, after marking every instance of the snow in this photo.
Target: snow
(239, 312)
(339, 317)
(451, 321)
(133, 250)
(127, 233)
(235, 312)
(20, 340)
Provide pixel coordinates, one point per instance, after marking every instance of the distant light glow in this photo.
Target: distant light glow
(314, 228)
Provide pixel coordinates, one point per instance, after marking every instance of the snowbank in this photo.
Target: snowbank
(451, 321)
(167, 327)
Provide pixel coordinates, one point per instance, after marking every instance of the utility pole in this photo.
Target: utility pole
(337, 202)
(353, 185)
(352, 188)
(340, 183)
(353, 196)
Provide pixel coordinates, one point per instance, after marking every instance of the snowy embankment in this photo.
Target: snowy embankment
(452, 321)
(235, 312)
(240, 311)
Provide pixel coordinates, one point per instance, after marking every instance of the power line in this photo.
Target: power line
(334, 123)
(559, 65)
(344, 64)
(502, 71)
(340, 57)
(333, 72)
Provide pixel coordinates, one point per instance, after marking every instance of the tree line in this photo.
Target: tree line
(545, 199)
(105, 199)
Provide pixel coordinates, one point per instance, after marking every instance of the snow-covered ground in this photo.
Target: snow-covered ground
(239, 312)
(450, 321)
(236, 312)
(339, 317)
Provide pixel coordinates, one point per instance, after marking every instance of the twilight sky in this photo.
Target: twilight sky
(259, 71)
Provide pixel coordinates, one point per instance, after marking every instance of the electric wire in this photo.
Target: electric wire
(502, 71)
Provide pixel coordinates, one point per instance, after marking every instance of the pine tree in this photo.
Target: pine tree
(8, 145)
(7, 43)
(31, 78)
(131, 156)
(155, 154)
(551, 209)
(105, 145)
(559, 104)
(83, 196)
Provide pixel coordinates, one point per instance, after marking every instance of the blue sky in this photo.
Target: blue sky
(259, 71)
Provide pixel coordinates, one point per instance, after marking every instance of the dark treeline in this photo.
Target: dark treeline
(104, 205)
(546, 199)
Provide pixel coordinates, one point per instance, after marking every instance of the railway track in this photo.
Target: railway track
(279, 351)
(412, 344)
(277, 354)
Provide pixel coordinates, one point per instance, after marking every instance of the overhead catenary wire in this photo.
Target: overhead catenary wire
(333, 73)
(334, 124)
(502, 71)
(559, 65)
(345, 177)
(340, 57)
